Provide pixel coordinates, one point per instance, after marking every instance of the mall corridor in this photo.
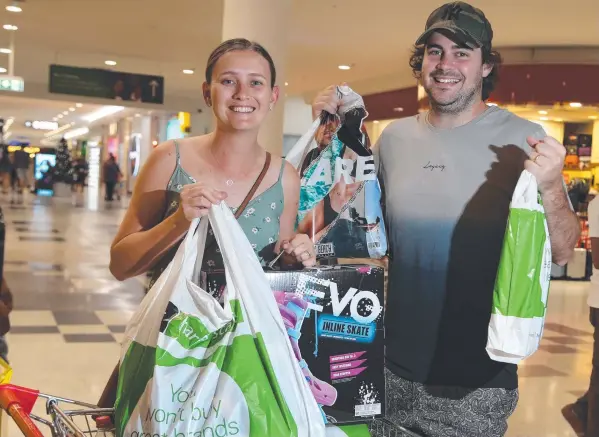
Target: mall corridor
(70, 315)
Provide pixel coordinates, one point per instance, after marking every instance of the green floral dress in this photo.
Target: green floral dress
(260, 221)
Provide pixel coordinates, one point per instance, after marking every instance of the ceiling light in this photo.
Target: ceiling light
(376, 122)
(55, 119)
(593, 117)
(543, 112)
(65, 113)
(79, 105)
(544, 118)
(558, 119)
(576, 105)
(6, 51)
(344, 67)
(60, 115)
(76, 133)
(72, 109)
(14, 8)
(188, 72)
(102, 112)
(398, 109)
(2, 70)
(138, 115)
(110, 62)
(10, 27)
(286, 83)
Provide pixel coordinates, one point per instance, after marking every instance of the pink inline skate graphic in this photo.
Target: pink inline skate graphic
(293, 309)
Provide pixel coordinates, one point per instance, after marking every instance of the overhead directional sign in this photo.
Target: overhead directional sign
(106, 84)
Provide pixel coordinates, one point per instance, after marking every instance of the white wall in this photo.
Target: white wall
(298, 116)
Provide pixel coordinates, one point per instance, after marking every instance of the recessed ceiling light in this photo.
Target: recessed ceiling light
(544, 118)
(188, 71)
(55, 119)
(71, 109)
(110, 62)
(14, 8)
(398, 109)
(10, 27)
(576, 105)
(2, 70)
(558, 119)
(344, 67)
(6, 51)
(65, 112)
(593, 117)
(79, 105)
(286, 83)
(60, 115)
(543, 112)
(376, 122)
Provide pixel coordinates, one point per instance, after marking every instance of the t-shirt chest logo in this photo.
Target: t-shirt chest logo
(431, 166)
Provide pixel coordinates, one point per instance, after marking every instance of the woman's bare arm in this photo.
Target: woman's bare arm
(142, 237)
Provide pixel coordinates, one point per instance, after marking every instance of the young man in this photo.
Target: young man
(449, 175)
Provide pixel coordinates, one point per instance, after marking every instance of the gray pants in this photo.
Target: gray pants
(432, 411)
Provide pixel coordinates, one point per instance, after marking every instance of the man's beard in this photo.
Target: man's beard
(462, 101)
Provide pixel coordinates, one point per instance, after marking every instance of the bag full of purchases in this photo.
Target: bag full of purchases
(193, 368)
(340, 196)
(523, 276)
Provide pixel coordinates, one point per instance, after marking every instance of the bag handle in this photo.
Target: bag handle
(257, 183)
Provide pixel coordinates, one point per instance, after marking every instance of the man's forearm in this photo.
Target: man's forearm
(563, 224)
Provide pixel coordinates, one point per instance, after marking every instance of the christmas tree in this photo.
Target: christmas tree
(63, 162)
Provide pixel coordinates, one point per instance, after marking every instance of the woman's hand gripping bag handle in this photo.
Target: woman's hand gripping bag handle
(208, 368)
(523, 277)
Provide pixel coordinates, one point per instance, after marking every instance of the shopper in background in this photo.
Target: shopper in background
(449, 174)
(21, 167)
(583, 415)
(6, 168)
(80, 170)
(111, 173)
(182, 179)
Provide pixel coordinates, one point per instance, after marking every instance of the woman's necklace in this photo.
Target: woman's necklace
(229, 181)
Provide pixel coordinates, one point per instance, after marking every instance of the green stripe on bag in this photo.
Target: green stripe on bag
(139, 361)
(527, 229)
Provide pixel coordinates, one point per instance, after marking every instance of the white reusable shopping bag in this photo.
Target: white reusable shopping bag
(190, 367)
(523, 278)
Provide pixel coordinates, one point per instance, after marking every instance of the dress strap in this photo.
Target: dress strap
(282, 169)
(177, 152)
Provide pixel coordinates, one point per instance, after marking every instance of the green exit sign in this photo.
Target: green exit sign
(12, 83)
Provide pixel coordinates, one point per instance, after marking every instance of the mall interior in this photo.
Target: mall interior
(81, 81)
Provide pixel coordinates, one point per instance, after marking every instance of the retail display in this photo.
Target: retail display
(190, 366)
(340, 196)
(334, 318)
(523, 277)
(63, 162)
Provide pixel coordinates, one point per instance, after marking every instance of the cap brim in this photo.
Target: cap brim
(453, 33)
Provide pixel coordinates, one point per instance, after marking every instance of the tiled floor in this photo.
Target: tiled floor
(70, 315)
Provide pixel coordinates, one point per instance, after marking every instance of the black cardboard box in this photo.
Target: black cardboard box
(341, 338)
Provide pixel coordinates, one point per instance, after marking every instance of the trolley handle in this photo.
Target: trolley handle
(18, 402)
(23, 421)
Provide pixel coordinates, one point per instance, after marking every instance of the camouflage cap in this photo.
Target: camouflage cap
(461, 21)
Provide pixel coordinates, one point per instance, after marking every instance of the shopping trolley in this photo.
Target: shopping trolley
(82, 419)
(66, 417)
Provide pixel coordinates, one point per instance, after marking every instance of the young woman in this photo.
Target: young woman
(181, 179)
